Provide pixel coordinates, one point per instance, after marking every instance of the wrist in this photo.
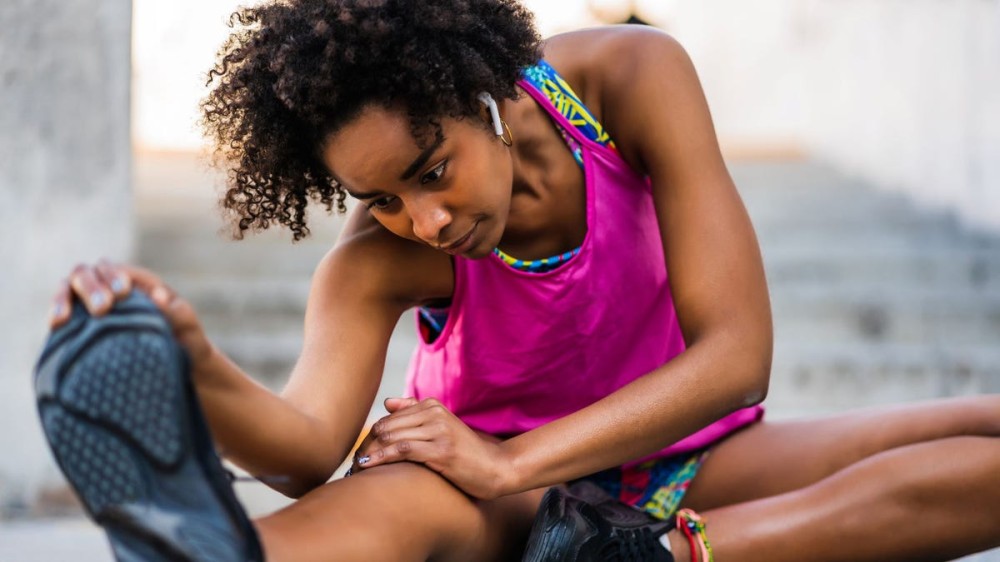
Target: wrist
(509, 480)
(206, 365)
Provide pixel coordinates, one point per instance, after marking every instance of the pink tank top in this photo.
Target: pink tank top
(522, 349)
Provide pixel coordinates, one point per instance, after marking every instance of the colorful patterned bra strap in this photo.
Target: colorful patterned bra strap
(546, 80)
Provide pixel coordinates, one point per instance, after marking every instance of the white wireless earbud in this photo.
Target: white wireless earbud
(488, 101)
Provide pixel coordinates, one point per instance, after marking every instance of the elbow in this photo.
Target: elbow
(757, 381)
(304, 479)
(755, 374)
(296, 487)
(754, 395)
(314, 470)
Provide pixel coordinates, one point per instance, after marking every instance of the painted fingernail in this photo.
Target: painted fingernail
(160, 295)
(57, 310)
(96, 299)
(364, 459)
(118, 285)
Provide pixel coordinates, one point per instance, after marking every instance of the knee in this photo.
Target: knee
(400, 471)
(979, 415)
(397, 511)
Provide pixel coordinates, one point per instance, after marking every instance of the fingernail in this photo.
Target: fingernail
(160, 295)
(364, 460)
(57, 310)
(118, 285)
(97, 299)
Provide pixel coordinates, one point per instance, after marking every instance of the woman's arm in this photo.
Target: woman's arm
(653, 105)
(358, 293)
(296, 440)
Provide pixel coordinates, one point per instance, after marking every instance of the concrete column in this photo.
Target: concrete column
(65, 193)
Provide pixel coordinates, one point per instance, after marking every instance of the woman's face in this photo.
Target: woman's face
(453, 195)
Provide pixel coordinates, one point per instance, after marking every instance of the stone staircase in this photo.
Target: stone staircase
(874, 300)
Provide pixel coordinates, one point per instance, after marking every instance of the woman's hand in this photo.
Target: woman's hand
(99, 285)
(426, 432)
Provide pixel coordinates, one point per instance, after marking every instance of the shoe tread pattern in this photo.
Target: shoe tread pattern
(100, 467)
(122, 379)
(123, 421)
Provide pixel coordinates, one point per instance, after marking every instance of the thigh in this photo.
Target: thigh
(398, 511)
(770, 458)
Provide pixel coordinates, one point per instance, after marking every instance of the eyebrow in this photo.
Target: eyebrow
(422, 159)
(362, 195)
(407, 174)
(351, 192)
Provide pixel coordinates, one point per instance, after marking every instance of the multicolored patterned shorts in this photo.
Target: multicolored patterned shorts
(657, 486)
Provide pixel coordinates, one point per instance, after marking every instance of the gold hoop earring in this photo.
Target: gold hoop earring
(508, 142)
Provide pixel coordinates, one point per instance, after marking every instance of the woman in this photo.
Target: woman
(529, 200)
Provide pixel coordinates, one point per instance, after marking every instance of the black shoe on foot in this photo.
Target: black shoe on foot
(120, 413)
(585, 524)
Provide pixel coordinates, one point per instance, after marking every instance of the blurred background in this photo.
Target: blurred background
(864, 137)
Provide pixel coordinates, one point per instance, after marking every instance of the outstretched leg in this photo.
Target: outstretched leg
(770, 458)
(792, 464)
(400, 511)
(937, 500)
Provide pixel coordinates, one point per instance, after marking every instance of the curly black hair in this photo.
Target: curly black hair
(292, 72)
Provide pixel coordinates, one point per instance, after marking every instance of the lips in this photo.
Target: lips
(459, 245)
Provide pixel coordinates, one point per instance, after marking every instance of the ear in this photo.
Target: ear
(491, 105)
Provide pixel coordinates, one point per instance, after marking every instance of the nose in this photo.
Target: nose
(429, 218)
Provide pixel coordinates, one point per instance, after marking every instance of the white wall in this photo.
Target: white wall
(904, 93)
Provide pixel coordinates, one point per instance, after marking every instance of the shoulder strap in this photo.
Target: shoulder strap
(542, 75)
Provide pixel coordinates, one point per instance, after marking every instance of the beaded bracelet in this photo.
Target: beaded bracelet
(693, 527)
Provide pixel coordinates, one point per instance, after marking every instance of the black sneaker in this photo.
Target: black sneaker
(120, 413)
(585, 524)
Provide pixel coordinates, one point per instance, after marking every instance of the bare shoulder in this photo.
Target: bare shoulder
(622, 71)
(602, 54)
(371, 262)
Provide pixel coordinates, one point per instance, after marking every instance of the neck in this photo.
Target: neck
(548, 206)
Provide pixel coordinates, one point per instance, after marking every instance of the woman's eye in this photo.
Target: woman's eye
(381, 203)
(435, 174)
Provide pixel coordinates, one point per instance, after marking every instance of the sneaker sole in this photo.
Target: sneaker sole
(554, 529)
(569, 518)
(121, 416)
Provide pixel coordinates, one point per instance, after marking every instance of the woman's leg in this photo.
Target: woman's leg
(931, 501)
(771, 458)
(898, 482)
(400, 511)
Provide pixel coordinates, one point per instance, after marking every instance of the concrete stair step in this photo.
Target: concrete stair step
(197, 247)
(794, 262)
(807, 205)
(269, 356)
(775, 236)
(244, 297)
(901, 314)
(837, 377)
